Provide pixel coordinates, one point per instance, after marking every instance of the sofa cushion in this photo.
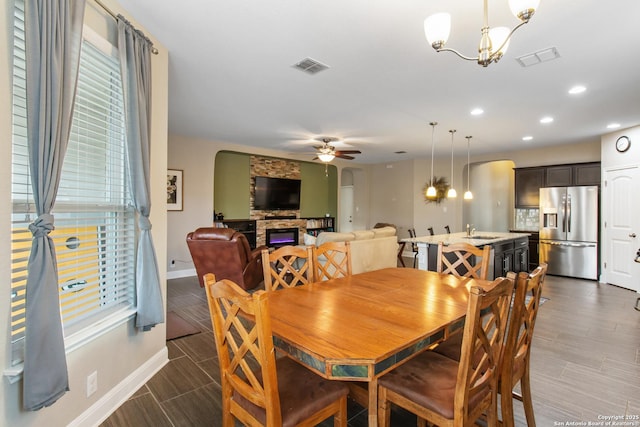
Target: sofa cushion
(384, 232)
(373, 254)
(308, 239)
(363, 234)
(333, 236)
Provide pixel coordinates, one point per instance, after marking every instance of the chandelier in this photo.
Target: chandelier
(438, 26)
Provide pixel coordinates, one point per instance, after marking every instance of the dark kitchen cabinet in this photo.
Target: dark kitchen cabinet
(528, 182)
(502, 258)
(558, 176)
(573, 174)
(521, 255)
(587, 174)
(512, 255)
(534, 250)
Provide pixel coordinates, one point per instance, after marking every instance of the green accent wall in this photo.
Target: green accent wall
(232, 184)
(319, 192)
(232, 187)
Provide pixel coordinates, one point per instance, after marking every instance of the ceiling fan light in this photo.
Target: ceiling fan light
(468, 195)
(431, 191)
(437, 28)
(523, 9)
(326, 157)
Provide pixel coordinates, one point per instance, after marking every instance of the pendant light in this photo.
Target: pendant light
(468, 195)
(431, 191)
(452, 194)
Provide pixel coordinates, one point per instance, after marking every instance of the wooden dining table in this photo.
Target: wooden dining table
(356, 328)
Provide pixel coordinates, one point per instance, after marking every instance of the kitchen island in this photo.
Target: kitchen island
(509, 251)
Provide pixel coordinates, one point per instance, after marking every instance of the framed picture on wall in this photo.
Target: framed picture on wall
(174, 190)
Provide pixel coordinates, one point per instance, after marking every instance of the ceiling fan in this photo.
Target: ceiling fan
(327, 152)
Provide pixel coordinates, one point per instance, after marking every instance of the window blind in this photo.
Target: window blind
(95, 233)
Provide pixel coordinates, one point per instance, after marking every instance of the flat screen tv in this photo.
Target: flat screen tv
(276, 194)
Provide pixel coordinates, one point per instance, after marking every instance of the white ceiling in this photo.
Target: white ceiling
(231, 77)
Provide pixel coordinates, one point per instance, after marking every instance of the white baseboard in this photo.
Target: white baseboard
(178, 274)
(114, 398)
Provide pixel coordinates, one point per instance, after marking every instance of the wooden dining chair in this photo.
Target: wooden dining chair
(331, 260)
(446, 392)
(257, 388)
(517, 350)
(460, 259)
(414, 246)
(287, 266)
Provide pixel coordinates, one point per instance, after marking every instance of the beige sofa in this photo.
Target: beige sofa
(370, 249)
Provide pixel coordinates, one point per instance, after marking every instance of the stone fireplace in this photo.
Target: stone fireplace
(265, 227)
(277, 237)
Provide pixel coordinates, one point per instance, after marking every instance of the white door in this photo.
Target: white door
(622, 225)
(345, 222)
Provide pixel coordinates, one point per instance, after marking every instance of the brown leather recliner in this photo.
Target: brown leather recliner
(225, 252)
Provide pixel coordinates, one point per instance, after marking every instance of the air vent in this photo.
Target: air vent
(534, 58)
(311, 66)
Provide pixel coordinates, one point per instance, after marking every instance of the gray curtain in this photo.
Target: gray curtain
(135, 63)
(53, 31)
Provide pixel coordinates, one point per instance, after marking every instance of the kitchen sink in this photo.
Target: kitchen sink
(481, 237)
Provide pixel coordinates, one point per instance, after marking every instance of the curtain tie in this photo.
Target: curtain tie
(144, 223)
(43, 225)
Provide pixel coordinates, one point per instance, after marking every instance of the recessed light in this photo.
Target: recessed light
(477, 111)
(546, 120)
(527, 138)
(613, 125)
(577, 89)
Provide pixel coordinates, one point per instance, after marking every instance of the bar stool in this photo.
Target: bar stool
(414, 247)
(446, 227)
(431, 233)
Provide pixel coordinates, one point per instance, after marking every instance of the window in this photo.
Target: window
(94, 234)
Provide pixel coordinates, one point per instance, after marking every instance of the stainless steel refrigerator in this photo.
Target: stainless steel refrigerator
(569, 231)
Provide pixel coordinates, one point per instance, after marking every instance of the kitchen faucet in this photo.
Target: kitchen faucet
(470, 231)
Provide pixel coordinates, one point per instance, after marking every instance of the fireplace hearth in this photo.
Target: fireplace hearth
(277, 237)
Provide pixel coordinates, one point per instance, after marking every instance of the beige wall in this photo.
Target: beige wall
(392, 198)
(123, 357)
(492, 206)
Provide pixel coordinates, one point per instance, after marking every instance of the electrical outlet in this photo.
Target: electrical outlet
(92, 383)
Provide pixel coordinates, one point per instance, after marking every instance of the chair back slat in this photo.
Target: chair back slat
(517, 351)
(332, 260)
(461, 259)
(244, 343)
(287, 266)
(483, 342)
